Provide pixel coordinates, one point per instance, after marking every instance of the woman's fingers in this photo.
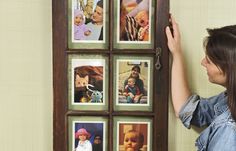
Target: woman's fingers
(168, 33)
(173, 36)
(175, 27)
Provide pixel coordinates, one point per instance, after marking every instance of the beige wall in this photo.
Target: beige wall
(26, 68)
(194, 16)
(25, 75)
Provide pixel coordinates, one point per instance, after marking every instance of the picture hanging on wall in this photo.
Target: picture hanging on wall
(87, 133)
(133, 83)
(87, 82)
(134, 23)
(132, 134)
(88, 23)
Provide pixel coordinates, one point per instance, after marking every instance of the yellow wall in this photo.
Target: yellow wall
(194, 16)
(26, 69)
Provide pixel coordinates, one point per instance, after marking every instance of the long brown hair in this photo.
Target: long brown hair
(221, 49)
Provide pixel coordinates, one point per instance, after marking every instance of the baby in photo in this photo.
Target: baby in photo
(131, 90)
(142, 19)
(133, 140)
(80, 29)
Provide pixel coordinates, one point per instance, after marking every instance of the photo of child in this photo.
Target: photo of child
(80, 29)
(89, 136)
(131, 91)
(88, 20)
(134, 20)
(133, 137)
(133, 140)
(84, 144)
(133, 82)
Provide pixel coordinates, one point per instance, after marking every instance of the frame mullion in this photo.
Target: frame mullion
(59, 25)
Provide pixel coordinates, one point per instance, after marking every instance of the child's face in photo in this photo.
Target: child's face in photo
(142, 18)
(79, 19)
(82, 137)
(131, 82)
(131, 141)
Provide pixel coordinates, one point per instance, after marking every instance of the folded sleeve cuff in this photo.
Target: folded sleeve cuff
(187, 110)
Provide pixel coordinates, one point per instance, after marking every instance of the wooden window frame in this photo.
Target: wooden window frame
(60, 83)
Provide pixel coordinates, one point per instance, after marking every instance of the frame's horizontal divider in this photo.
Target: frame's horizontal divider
(123, 51)
(88, 113)
(105, 113)
(136, 51)
(133, 113)
(75, 51)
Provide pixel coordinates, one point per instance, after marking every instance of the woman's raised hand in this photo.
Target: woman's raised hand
(173, 37)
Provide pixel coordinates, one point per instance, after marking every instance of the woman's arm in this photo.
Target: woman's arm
(179, 86)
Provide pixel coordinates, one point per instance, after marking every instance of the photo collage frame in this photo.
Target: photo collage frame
(108, 91)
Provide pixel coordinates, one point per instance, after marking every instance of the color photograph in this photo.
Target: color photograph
(88, 21)
(133, 136)
(134, 21)
(88, 77)
(133, 82)
(88, 136)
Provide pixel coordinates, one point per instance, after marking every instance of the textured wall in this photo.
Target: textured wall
(193, 18)
(25, 75)
(26, 69)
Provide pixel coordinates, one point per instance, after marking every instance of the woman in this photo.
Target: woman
(135, 71)
(217, 112)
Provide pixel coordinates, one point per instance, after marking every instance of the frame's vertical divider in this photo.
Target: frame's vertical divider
(162, 79)
(111, 20)
(155, 107)
(110, 102)
(59, 26)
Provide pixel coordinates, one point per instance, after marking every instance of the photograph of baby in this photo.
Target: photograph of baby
(134, 21)
(88, 136)
(88, 20)
(88, 81)
(133, 136)
(132, 82)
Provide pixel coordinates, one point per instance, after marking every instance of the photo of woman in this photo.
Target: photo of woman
(133, 82)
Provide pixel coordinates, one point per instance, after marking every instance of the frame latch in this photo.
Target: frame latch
(158, 55)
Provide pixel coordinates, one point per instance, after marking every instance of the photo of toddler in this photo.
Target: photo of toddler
(80, 29)
(133, 140)
(131, 91)
(84, 144)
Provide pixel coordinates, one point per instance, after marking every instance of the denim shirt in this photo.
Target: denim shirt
(220, 135)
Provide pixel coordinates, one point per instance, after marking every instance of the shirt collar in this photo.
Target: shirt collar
(221, 106)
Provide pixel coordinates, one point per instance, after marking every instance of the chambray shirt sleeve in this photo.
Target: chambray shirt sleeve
(200, 111)
(187, 110)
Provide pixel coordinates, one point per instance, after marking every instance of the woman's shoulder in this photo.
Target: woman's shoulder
(219, 95)
(225, 120)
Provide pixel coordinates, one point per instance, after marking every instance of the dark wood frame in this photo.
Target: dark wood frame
(161, 80)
